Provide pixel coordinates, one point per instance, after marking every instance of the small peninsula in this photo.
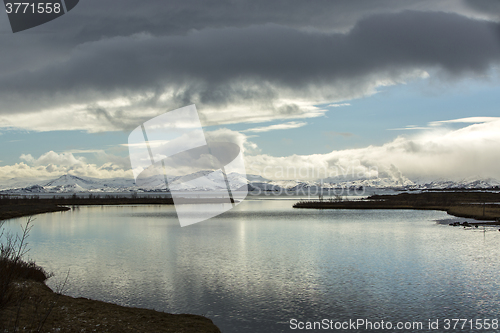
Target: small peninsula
(478, 205)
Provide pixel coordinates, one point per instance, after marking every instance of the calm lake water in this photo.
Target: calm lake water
(255, 268)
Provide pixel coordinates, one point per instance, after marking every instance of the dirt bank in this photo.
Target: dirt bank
(36, 304)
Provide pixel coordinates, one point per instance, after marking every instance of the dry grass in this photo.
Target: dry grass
(469, 204)
(28, 305)
(20, 210)
(68, 314)
(478, 212)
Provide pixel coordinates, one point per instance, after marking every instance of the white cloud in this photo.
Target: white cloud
(339, 105)
(51, 157)
(85, 151)
(284, 126)
(23, 170)
(435, 124)
(437, 153)
(470, 120)
(52, 164)
(409, 127)
(240, 139)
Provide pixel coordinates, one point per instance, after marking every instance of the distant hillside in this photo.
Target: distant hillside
(194, 182)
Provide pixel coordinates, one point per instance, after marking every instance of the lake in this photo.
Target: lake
(266, 267)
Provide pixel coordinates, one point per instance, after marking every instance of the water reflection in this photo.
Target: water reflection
(256, 267)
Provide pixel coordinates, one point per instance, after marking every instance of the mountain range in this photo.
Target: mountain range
(194, 182)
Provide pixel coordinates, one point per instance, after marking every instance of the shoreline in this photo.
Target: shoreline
(57, 312)
(19, 207)
(15, 211)
(478, 205)
(481, 206)
(31, 304)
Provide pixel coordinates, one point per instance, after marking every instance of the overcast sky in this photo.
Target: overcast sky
(408, 87)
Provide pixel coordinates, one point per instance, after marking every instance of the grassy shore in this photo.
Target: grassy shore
(34, 304)
(482, 206)
(28, 305)
(12, 207)
(19, 210)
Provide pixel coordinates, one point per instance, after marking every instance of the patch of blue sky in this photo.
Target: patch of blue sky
(14, 143)
(372, 120)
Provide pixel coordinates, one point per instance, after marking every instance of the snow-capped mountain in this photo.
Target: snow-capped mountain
(469, 183)
(11, 183)
(215, 180)
(70, 183)
(74, 184)
(206, 180)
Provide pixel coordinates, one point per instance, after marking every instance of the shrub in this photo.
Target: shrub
(13, 266)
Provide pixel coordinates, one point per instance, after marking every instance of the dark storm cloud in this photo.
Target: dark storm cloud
(95, 19)
(162, 57)
(490, 8)
(210, 61)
